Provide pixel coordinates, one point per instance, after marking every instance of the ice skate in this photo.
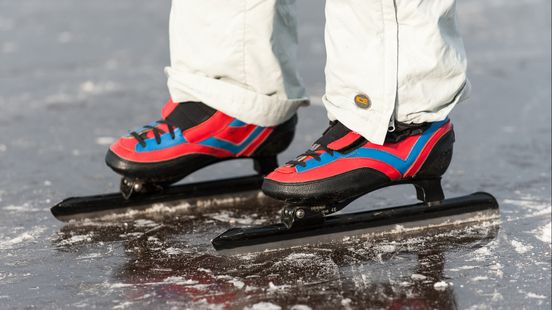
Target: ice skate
(190, 136)
(343, 166)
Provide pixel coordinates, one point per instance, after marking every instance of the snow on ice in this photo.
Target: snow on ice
(520, 247)
(440, 286)
(76, 239)
(543, 233)
(263, 306)
(31, 235)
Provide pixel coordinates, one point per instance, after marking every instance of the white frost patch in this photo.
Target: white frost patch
(91, 255)
(174, 251)
(249, 256)
(144, 223)
(440, 286)
(179, 281)
(169, 280)
(300, 257)
(496, 296)
(22, 238)
(223, 277)
(105, 140)
(300, 307)
(123, 305)
(131, 235)
(161, 208)
(85, 90)
(237, 283)
(23, 208)
(543, 233)
(251, 288)
(418, 277)
(535, 296)
(275, 288)
(538, 207)
(263, 306)
(157, 208)
(386, 248)
(227, 201)
(227, 217)
(497, 269)
(463, 268)
(479, 278)
(90, 87)
(77, 239)
(520, 247)
(480, 254)
(346, 302)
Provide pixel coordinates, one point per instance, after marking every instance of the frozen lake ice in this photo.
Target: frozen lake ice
(76, 75)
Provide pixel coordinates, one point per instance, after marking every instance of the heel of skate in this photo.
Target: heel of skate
(429, 191)
(265, 165)
(132, 187)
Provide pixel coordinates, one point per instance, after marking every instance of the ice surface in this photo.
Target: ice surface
(543, 233)
(76, 77)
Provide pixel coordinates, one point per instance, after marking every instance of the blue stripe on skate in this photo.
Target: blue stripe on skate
(230, 147)
(166, 142)
(383, 156)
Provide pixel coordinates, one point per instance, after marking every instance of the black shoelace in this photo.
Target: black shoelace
(313, 152)
(300, 161)
(141, 137)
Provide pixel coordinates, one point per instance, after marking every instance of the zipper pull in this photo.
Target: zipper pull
(391, 126)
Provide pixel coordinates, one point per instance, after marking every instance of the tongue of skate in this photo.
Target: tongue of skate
(336, 138)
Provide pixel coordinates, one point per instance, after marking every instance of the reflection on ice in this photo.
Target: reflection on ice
(175, 263)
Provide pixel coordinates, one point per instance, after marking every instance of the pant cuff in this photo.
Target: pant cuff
(370, 124)
(246, 105)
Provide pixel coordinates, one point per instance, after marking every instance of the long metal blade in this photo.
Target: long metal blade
(450, 212)
(241, 189)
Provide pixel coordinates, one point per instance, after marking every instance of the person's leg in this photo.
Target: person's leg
(238, 57)
(234, 93)
(395, 69)
(405, 56)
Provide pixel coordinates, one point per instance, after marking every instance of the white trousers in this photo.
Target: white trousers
(387, 60)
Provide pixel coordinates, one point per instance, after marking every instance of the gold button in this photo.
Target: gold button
(362, 101)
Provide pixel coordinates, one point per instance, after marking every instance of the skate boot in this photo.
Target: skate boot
(190, 136)
(342, 165)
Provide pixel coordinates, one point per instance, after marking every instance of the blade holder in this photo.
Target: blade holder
(305, 215)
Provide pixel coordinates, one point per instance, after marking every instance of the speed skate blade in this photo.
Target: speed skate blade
(477, 207)
(225, 191)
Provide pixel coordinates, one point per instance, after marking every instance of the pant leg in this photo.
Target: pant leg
(405, 56)
(236, 56)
